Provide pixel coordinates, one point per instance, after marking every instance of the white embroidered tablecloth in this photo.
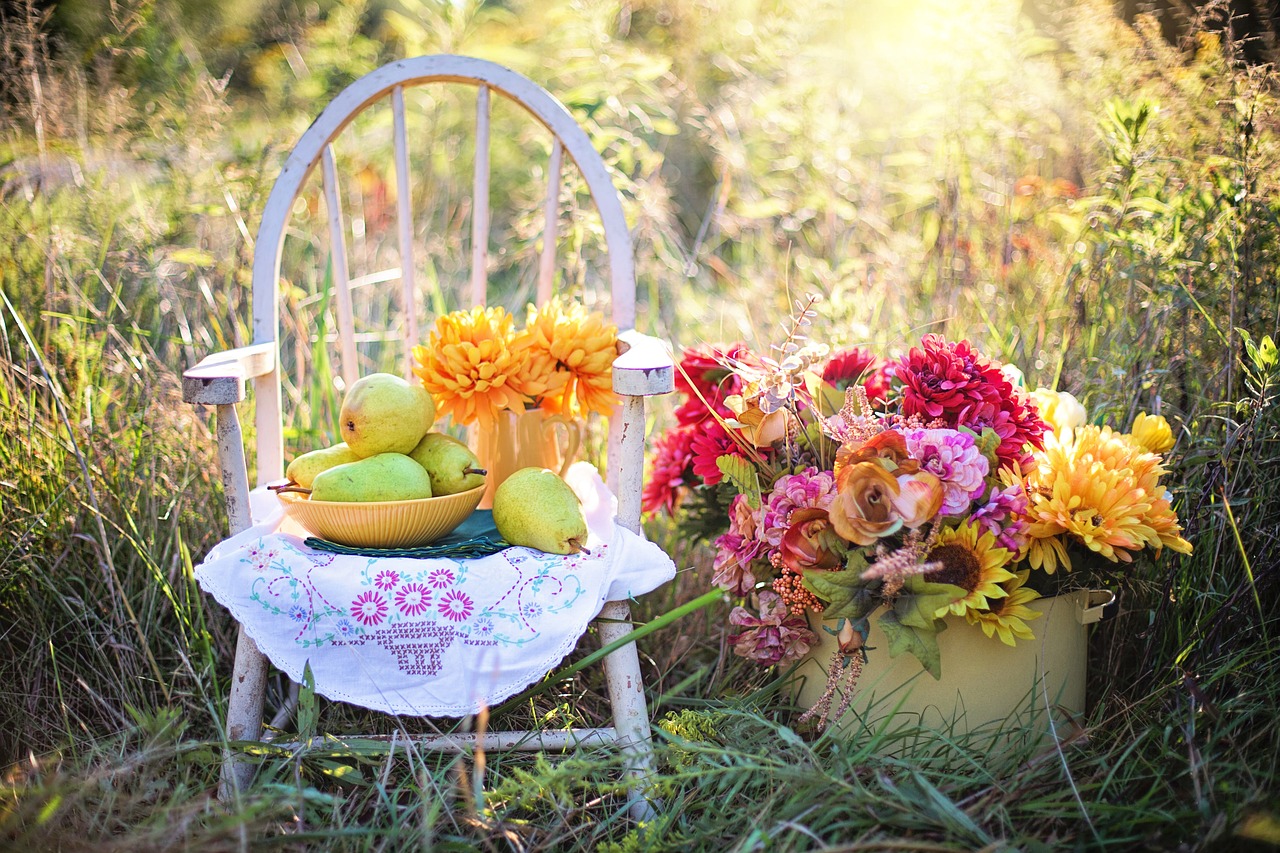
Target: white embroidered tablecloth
(438, 637)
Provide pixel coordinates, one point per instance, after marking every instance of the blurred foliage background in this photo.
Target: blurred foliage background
(1085, 191)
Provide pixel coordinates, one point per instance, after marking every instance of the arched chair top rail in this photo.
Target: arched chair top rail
(351, 101)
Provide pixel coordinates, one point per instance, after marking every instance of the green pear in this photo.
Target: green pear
(535, 508)
(303, 469)
(384, 477)
(383, 413)
(450, 463)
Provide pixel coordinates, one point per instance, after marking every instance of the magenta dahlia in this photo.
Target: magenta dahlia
(1004, 514)
(954, 458)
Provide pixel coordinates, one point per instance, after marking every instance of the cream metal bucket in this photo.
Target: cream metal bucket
(985, 684)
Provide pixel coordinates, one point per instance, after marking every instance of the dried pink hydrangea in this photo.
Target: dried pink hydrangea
(774, 636)
(954, 458)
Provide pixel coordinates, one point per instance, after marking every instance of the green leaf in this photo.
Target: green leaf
(308, 708)
(846, 594)
(742, 474)
(921, 643)
(920, 600)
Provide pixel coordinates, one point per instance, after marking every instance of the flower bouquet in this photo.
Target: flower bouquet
(516, 386)
(841, 487)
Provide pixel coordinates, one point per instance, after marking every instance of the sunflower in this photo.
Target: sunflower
(473, 367)
(1008, 616)
(574, 350)
(971, 561)
(1100, 489)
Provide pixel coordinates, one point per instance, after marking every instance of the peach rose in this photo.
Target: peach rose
(863, 511)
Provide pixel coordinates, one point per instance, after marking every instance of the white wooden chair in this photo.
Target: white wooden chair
(644, 368)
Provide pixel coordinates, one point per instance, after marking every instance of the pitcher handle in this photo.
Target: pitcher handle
(574, 435)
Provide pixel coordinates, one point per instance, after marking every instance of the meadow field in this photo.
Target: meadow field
(1095, 200)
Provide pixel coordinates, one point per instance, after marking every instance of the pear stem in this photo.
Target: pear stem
(481, 471)
(289, 487)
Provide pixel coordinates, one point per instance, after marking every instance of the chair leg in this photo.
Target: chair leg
(244, 713)
(630, 713)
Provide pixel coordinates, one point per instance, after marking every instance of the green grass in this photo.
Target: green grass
(759, 156)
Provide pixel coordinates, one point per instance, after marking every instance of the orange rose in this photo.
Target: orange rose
(862, 511)
(890, 445)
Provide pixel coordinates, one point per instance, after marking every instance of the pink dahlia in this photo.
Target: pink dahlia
(954, 383)
(955, 459)
(775, 636)
(855, 364)
(707, 369)
(670, 472)
(809, 488)
(736, 549)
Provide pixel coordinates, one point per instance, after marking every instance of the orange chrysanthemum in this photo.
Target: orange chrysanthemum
(576, 349)
(1102, 490)
(475, 367)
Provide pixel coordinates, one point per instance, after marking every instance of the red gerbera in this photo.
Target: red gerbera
(670, 470)
(855, 364)
(953, 383)
(707, 369)
(710, 442)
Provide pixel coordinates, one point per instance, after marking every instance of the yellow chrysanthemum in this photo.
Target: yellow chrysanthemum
(474, 367)
(1008, 616)
(972, 561)
(1102, 490)
(1152, 432)
(577, 350)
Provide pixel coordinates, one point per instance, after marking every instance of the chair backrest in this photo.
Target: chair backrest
(316, 148)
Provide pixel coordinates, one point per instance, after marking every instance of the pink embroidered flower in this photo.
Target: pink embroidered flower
(369, 608)
(736, 549)
(441, 577)
(261, 556)
(809, 488)
(954, 459)
(456, 605)
(670, 471)
(774, 636)
(386, 579)
(413, 598)
(855, 364)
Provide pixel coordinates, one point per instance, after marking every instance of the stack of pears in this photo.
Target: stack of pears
(388, 452)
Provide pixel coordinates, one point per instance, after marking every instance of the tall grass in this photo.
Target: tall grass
(1081, 197)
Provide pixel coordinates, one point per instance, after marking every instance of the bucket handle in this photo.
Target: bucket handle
(1095, 605)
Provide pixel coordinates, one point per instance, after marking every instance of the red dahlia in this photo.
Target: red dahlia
(707, 369)
(954, 383)
(670, 471)
(855, 364)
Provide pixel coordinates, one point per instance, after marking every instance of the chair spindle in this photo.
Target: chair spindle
(404, 221)
(338, 258)
(550, 228)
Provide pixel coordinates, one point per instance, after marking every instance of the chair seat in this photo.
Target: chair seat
(424, 637)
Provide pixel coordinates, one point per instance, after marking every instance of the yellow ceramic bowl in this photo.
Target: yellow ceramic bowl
(382, 524)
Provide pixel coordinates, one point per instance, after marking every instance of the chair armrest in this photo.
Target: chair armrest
(644, 366)
(218, 379)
